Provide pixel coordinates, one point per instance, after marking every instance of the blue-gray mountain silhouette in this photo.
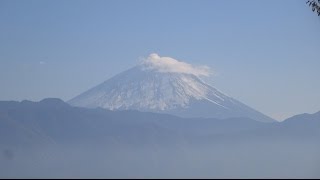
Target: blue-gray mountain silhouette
(53, 139)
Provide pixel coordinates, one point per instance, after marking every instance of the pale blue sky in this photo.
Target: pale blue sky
(263, 53)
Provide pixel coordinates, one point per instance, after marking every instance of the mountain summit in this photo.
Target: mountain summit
(165, 85)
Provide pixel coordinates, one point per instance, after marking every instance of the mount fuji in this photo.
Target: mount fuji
(165, 85)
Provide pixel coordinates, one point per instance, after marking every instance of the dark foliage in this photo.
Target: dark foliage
(315, 5)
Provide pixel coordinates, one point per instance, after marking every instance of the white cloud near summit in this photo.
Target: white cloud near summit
(168, 64)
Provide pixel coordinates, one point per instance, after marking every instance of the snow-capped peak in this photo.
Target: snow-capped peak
(164, 84)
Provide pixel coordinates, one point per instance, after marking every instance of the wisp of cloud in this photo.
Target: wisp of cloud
(168, 64)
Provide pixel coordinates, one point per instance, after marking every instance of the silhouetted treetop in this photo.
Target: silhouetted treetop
(315, 5)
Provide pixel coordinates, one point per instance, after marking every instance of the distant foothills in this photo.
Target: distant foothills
(52, 139)
(53, 119)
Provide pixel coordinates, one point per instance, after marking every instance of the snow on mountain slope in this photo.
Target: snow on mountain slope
(163, 84)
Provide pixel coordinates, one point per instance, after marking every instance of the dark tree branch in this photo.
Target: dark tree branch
(315, 6)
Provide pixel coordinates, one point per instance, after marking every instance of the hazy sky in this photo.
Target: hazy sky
(263, 53)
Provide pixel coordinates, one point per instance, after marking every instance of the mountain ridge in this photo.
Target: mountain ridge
(36, 137)
(24, 123)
